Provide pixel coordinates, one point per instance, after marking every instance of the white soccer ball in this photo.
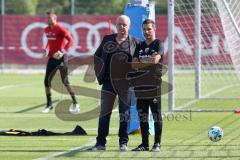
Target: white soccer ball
(215, 133)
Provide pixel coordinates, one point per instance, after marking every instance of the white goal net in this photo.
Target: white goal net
(206, 44)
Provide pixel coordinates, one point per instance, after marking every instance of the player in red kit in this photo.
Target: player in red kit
(57, 59)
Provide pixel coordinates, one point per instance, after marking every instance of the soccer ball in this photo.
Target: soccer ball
(215, 133)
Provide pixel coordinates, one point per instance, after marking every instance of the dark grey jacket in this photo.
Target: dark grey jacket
(100, 56)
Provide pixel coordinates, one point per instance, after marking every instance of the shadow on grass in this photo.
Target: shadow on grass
(34, 107)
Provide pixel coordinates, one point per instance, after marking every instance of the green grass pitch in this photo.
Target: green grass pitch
(184, 134)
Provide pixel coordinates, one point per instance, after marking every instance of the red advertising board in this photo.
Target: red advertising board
(22, 40)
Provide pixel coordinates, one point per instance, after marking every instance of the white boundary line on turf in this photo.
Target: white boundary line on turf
(16, 85)
(8, 86)
(206, 96)
(80, 148)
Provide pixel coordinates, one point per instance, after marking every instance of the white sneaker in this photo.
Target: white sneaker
(97, 148)
(47, 109)
(123, 147)
(75, 108)
(156, 147)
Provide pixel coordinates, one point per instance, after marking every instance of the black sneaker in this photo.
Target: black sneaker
(156, 147)
(97, 148)
(141, 148)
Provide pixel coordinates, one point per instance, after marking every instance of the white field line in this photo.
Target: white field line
(15, 85)
(6, 87)
(206, 96)
(80, 148)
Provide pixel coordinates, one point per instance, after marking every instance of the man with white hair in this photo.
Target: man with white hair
(121, 42)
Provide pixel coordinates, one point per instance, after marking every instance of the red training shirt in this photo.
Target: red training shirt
(56, 39)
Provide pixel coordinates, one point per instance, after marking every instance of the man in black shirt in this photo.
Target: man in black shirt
(111, 45)
(150, 51)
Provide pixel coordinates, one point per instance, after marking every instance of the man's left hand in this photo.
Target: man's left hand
(155, 58)
(58, 55)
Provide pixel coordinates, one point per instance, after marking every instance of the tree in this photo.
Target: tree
(82, 7)
(103, 7)
(25, 7)
(161, 6)
(61, 7)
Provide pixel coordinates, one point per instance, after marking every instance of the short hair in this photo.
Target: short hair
(51, 13)
(148, 21)
(124, 17)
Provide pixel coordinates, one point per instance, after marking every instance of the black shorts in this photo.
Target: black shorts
(52, 66)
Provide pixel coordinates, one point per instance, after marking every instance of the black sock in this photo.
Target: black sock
(74, 99)
(49, 100)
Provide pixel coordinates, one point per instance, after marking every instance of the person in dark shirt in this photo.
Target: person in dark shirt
(111, 45)
(150, 51)
(57, 59)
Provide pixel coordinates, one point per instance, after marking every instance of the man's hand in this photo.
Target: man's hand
(145, 59)
(135, 59)
(58, 55)
(45, 54)
(155, 58)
